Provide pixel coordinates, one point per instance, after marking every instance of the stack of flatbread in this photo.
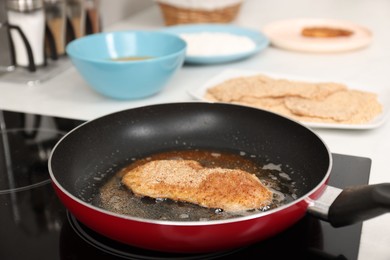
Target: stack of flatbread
(324, 102)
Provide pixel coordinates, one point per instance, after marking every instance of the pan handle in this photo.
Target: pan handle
(359, 203)
(351, 205)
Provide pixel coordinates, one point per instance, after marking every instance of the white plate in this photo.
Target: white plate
(286, 34)
(260, 40)
(383, 96)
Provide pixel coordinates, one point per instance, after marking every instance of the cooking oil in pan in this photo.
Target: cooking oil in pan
(114, 196)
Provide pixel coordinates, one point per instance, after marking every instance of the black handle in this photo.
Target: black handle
(30, 55)
(359, 203)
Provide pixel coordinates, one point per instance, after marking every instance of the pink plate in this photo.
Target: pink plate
(286, 34)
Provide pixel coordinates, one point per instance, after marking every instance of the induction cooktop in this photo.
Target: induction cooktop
(35, 225)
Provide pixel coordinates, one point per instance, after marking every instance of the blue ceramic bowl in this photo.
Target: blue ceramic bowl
(127, 64)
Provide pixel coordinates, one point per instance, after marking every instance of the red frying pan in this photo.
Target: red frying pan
(87, 157)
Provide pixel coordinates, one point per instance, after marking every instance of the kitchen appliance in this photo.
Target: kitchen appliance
(35, 225)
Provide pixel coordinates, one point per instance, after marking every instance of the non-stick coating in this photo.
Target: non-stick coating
(97, 149)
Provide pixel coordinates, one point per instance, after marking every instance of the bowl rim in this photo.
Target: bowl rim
(71, 53)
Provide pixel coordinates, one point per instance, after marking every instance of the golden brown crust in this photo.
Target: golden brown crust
(360, 106)
(325, 32)
(260, 86)
(187, 180)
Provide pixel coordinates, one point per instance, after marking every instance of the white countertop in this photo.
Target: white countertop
(67, 95)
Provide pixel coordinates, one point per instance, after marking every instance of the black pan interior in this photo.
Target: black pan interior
(95, 151)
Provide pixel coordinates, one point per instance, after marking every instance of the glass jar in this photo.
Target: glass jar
(75, 10)
(27, 22)
(55, 12)
(93, 18)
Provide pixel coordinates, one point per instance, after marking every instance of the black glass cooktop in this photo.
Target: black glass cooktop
(35, 225)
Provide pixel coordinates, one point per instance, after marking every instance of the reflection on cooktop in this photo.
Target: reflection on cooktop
(24, 156)
(35, 225)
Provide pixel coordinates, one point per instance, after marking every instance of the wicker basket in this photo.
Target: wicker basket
(177, 15)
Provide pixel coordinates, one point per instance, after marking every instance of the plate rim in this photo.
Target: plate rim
(314, 45)
(225, 74)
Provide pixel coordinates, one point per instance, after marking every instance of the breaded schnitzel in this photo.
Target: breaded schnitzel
(188, 181)
(325, 32)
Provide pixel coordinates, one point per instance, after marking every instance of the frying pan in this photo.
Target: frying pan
(84, 159)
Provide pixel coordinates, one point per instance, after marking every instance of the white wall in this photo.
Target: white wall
(115, 10)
